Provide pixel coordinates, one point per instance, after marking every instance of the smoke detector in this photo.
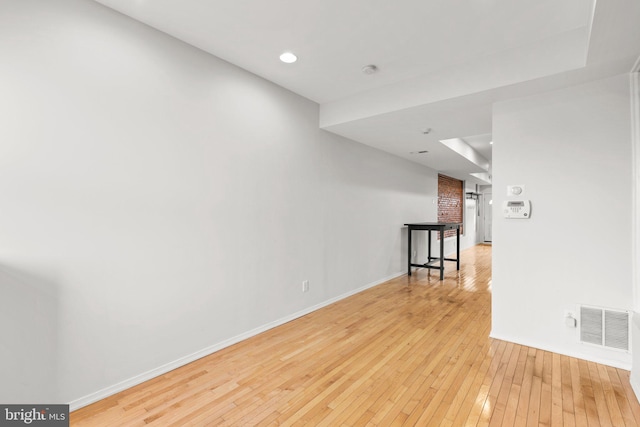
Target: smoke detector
(369, 69)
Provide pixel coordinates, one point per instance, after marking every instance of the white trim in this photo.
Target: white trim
(635, 215)
(578, 355)
(636, 66)
(161, 370)
(635, 332)
(634, 386)
(590, 30)
(635, 195)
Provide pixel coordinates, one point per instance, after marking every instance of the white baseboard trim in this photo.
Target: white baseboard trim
(577, 355)
(161, 370)
(635, 386)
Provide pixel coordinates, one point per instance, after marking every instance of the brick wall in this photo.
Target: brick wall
(450, 201)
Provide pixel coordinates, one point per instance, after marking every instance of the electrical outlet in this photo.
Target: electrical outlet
(570, 319)
(413, 255)
(305, 286)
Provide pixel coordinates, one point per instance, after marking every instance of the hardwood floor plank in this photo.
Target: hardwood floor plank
(556, 390)
(618, 378)
(462, 406)
(610, 397)
(515, 389)
(545, 411)
(588, 394)
(598, 393)
(411, 351)
(449, 387)
(568, 413)
(579, 408)
(533, 412)
(526, 388)
(504, 388)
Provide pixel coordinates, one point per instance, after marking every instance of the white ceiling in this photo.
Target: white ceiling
(441, 63)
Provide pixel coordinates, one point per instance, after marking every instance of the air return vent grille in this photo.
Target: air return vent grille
(604, 327)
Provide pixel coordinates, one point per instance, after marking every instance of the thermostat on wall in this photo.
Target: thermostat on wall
(516, 209)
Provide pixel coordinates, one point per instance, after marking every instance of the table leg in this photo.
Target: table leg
(441, 254)
(429, 247)
(458, 249)
(409, 252)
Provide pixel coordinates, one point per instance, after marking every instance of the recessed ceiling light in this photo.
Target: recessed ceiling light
(288, 58)
(490, 142)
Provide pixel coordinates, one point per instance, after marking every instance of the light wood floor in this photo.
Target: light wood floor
(412, 351)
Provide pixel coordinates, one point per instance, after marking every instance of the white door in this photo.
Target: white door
(488, 204)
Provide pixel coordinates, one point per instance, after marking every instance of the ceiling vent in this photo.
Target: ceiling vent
(604, 327)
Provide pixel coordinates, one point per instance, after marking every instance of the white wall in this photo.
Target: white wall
(158, 203)
(572, 150)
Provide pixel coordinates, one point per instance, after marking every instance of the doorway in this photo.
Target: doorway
(487, 216)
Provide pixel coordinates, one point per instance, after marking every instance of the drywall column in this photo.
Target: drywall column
(571, 149)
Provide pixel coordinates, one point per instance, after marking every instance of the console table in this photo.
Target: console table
(440, 227)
